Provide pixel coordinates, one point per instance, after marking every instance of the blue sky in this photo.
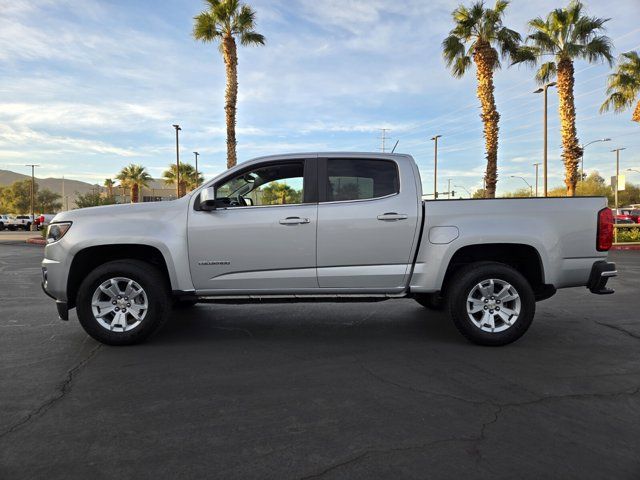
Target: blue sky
(89, 86)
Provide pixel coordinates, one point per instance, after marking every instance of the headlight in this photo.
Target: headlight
(56, 231)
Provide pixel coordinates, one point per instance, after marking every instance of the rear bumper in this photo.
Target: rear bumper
(601, 272)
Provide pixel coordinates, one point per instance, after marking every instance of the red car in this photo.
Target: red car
(628, 215)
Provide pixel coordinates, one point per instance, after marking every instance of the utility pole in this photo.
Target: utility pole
(62, 193)
(197, 182)
(383, 138)
(435, 166)
(177, 127)
(537, 165)
(448, 189)
(33, 193)
(544, 89)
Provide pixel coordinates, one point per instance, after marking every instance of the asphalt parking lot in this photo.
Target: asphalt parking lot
(320, 391)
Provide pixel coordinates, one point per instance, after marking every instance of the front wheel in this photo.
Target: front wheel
(491, 303)
(123, 302)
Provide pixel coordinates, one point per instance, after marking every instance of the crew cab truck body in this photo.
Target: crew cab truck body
(324, 226)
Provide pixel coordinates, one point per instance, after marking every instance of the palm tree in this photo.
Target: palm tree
(134, 177)
(480, 37)
(188, 179)
(109, 183)
(567, 34)
(222, 23)
(624, 86)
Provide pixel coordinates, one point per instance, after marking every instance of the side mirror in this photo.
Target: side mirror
(208, 202)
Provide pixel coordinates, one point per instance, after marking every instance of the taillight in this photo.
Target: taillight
(605, 230)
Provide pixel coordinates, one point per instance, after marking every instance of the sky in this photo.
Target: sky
(90, 86)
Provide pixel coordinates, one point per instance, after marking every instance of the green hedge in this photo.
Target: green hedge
(626, 235)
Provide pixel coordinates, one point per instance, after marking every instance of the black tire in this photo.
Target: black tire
(432, 301)
(463, 284)
(1, 226)
(27, 227)
(152, 282)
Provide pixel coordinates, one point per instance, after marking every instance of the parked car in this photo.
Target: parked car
(344, 227)
(5, 220)
(627, 215)
(42, 221)
(20, 222)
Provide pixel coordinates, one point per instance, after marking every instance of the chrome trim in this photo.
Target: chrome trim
(613, 273)
(360, 200)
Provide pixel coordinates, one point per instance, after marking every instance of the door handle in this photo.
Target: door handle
(294, 221)
(392, 217)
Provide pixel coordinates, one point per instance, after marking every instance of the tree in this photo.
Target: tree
(134, 177)
(188, 179)
(47, 201)
(92, 199)
(567, 35)
(524, 192)
(479, 193)
(624, 86)
(480, 37)
(278, 193)
(109, 183)
(222, 23)
(16, 198)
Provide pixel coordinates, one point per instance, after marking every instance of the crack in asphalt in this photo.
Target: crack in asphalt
(498, 410)
(619, 329)
(63, 390)
(367, 453)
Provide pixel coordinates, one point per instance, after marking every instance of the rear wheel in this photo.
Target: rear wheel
(1, 226)
(123, 302)
(491, 303)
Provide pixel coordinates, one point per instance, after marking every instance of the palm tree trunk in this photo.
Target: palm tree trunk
(485, 59)
(231, 96)
(636, 113)
(134, 193)
(571, 150)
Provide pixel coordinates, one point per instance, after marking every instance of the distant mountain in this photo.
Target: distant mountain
(71, 187)
(54, 184)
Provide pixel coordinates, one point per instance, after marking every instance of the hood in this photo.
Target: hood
(129, 210)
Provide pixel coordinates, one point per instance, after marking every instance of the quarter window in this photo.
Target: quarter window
(360, 179)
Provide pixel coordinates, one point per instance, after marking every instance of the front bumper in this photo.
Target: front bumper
(601, 272)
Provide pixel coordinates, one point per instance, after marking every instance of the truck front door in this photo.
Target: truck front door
(265, 240)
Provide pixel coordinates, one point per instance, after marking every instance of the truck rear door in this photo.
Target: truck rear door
(368, 215)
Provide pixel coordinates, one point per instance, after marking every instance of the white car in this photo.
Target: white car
(20, 221)
(5, 221)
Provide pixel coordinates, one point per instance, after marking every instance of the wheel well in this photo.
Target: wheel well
(524, 258)
(92, 257)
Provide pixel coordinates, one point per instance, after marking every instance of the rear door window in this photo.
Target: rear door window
(358, 179)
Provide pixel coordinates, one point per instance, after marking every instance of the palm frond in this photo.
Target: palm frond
(205, 28)
(598, 49)
(252, 38)
(546, 72)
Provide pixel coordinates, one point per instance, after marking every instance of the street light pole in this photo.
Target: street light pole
(615, 194)
(177, 127)
(537, 165)
(582, 156)
(33, 192)
(435, 166)
(528, 184)
(544, 89)
(196, 154)
(448, 189)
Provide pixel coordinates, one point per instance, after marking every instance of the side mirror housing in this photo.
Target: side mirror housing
(208, 202)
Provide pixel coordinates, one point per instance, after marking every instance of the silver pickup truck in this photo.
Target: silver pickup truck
(324, 227)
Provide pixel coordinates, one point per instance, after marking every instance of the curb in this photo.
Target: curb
(36, 241)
